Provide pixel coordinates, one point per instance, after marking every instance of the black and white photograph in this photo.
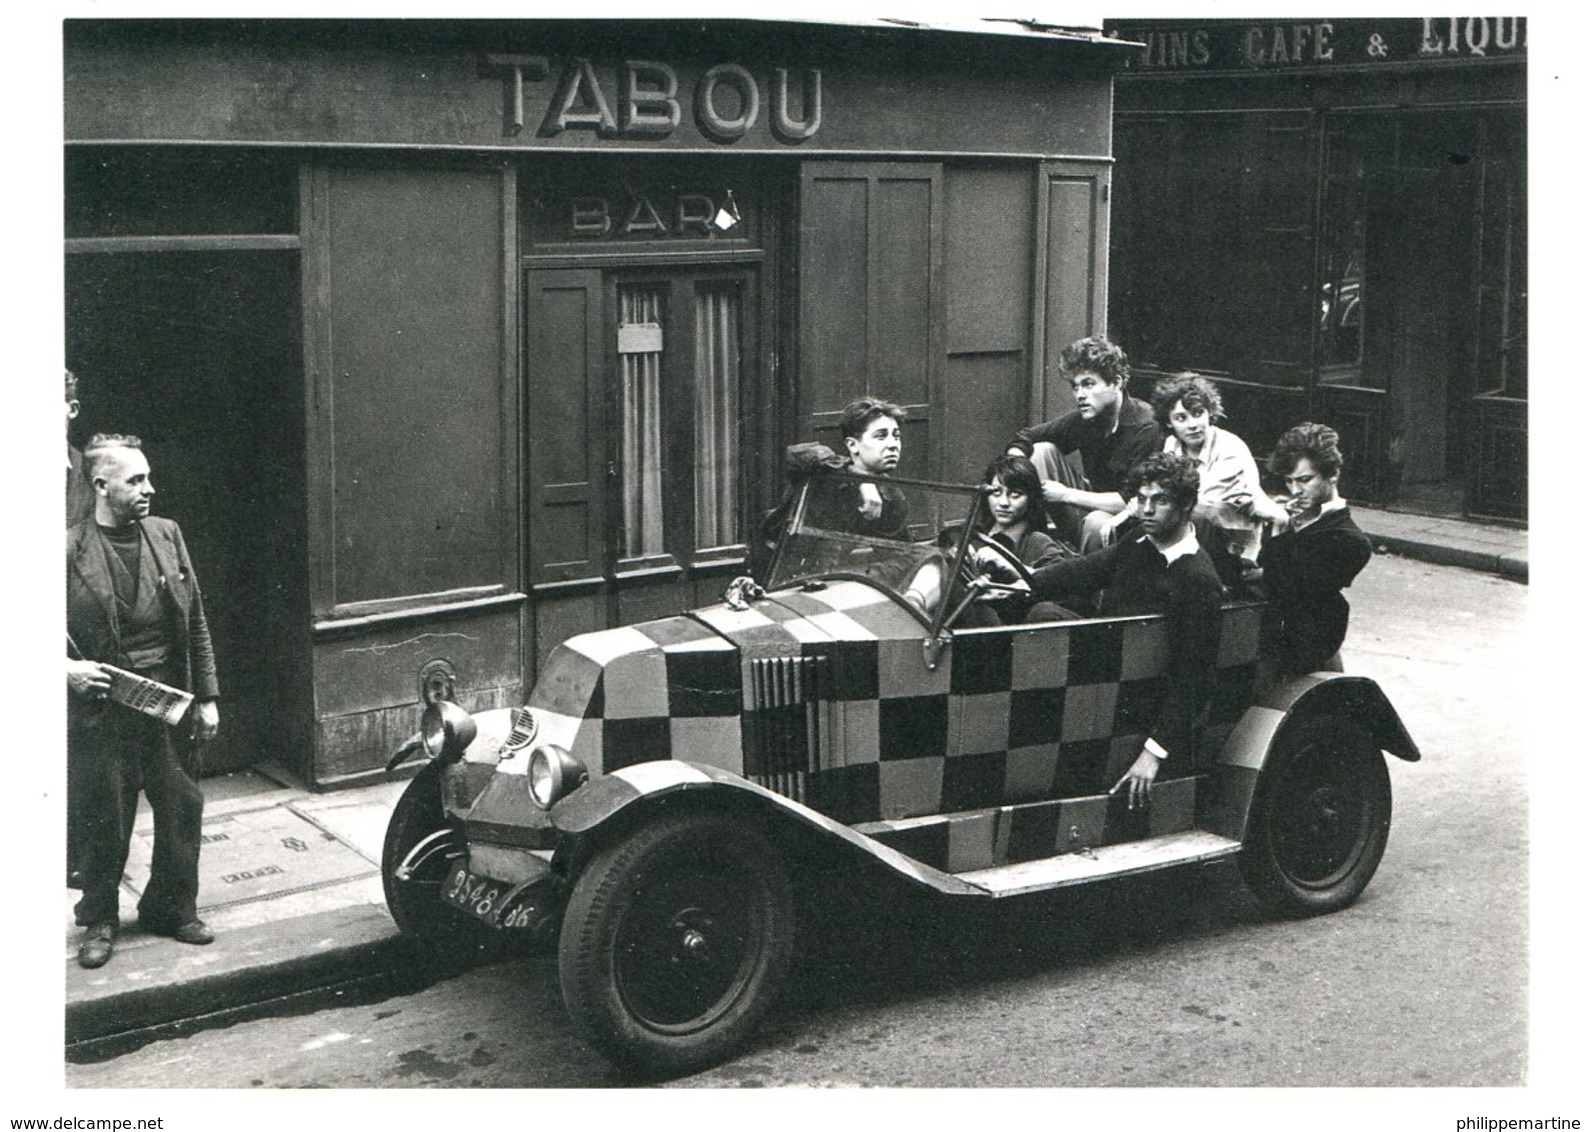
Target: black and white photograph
(921, 560)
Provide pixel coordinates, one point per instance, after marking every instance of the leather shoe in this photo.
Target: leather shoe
(196, 932)
(99, 941)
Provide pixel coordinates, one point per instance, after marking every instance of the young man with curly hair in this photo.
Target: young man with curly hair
(1109, 429)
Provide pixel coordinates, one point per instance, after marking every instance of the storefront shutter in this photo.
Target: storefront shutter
(871, 306)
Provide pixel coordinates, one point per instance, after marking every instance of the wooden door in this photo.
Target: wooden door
(871, 303)
(644, 395)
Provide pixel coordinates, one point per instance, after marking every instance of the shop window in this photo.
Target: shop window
(1504, 288)
(1211, 242)
(1515, 332)
(679, 460)
(1342, 296)
(1341, 300)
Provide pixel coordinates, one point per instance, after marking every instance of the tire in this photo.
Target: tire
(675, 942)
(1319, 821)
(415, 903)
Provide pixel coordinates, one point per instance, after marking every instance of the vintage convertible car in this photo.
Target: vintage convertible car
(653, 804)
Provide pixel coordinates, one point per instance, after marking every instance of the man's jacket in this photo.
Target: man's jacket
(91, 603)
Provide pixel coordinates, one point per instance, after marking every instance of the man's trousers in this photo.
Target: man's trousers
(123, 751)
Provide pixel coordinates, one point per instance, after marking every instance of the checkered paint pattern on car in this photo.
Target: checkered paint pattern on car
(826, 697)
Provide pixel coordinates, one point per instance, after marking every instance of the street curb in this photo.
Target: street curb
(170, 982)
(1508, 565)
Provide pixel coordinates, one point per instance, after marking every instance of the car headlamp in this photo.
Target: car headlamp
(446, 730)
(554, 773)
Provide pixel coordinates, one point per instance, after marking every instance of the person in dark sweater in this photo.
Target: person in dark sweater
(871, 430)
(1109, 429)
(1161, 570)
(1307, 565)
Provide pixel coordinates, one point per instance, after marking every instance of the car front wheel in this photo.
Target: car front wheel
(1319, 821)
(676, 940)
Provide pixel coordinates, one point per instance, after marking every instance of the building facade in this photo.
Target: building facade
(1329, 217)
(452, 339)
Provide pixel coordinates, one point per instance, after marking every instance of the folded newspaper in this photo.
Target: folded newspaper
(151, 697)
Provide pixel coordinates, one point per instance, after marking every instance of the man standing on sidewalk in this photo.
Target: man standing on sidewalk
(133, 601)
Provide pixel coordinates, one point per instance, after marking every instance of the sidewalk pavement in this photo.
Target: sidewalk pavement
(290, 879)
(1489, 547)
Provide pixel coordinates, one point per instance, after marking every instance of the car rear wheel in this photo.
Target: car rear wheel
(1320, 819)
(414, 900)
(675, 942)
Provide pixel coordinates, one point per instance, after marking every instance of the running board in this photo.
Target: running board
(1105, 861)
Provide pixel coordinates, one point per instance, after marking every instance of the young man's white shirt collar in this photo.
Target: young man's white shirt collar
(1181, 548)
(1337, 504)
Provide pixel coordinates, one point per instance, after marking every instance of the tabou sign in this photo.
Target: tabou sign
(634, 99)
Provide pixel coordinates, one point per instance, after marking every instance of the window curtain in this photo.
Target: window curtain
(642, 439)
(717, 415)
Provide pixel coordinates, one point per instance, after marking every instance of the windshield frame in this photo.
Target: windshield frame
(933, 619)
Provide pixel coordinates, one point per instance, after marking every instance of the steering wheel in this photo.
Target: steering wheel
(969, 568)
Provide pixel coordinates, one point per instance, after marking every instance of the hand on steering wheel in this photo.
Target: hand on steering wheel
(986, 552)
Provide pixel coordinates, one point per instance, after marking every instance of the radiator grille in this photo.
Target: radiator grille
(781, 746)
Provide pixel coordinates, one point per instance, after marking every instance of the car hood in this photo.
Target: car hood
(678, 687)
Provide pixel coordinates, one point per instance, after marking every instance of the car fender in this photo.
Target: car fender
(607, 804)
(1224, 808)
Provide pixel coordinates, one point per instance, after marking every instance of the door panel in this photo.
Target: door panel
(564, 352)
(1070, 280)
(871, 300)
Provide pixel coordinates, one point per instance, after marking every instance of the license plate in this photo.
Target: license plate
(480, 896)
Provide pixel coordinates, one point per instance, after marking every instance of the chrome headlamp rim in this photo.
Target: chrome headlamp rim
(553, 774)
(446, 730)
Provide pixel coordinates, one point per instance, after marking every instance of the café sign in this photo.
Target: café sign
(1291, 44)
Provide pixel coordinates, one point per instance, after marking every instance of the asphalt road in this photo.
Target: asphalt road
(1170, 980)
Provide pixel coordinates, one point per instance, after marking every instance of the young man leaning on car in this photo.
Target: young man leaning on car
(1162, 570)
